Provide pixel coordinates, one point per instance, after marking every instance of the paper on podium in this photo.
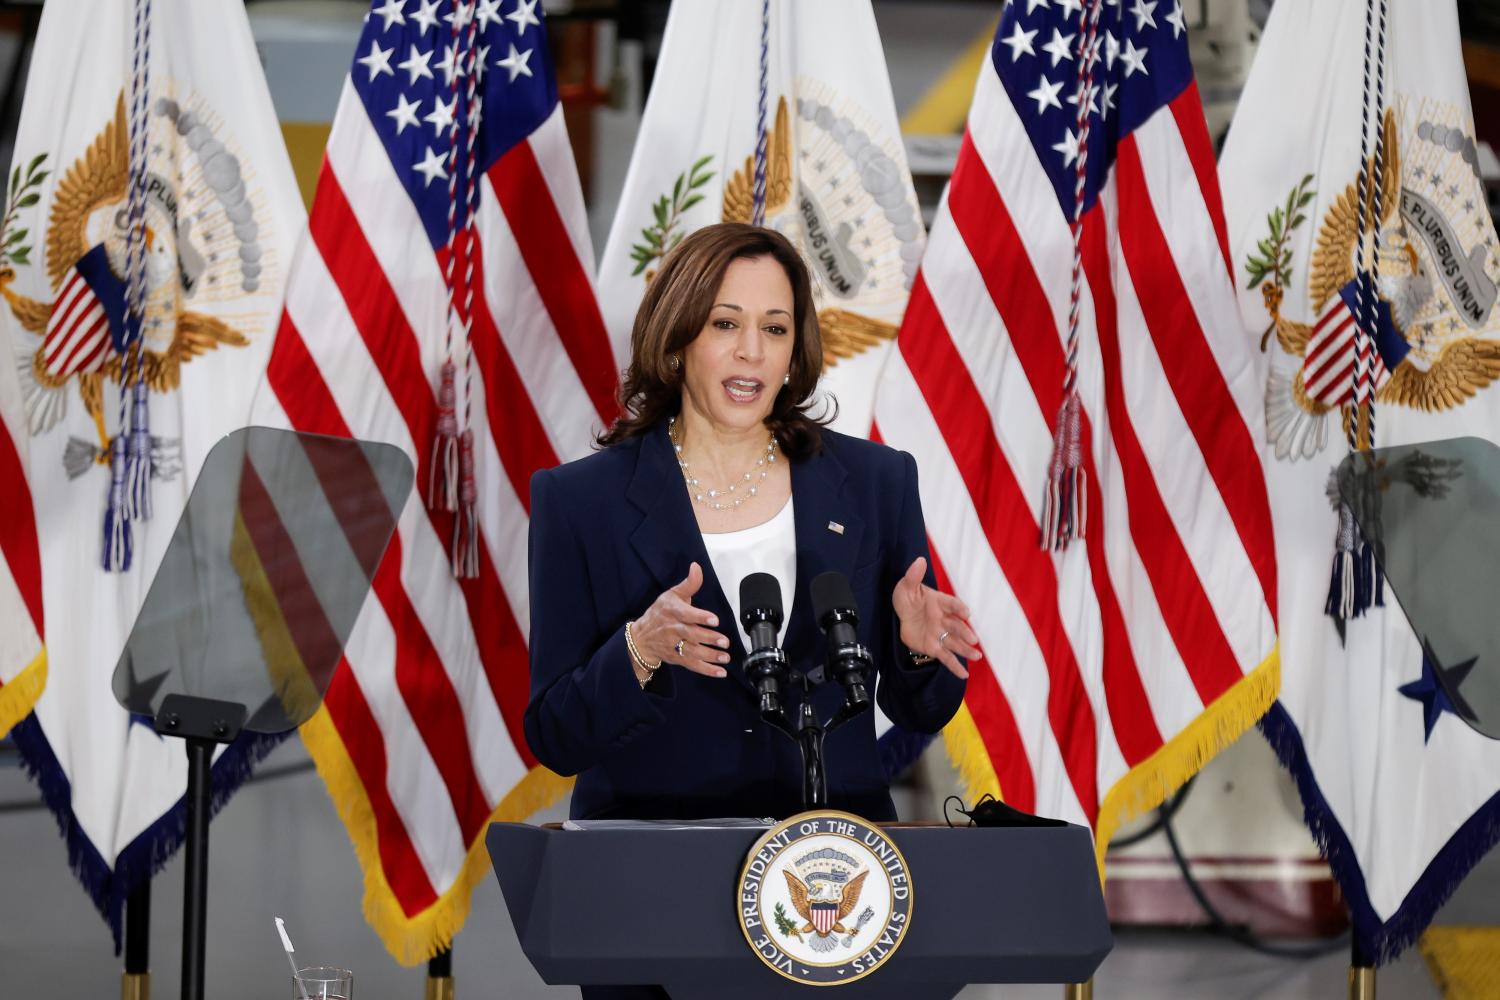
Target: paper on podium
(668, 824)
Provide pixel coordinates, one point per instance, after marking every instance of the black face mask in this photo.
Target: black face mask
(990, 811)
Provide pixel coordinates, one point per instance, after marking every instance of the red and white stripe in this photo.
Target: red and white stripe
(21, 622)
(77, 337)
(430, 705)
(1099, 655)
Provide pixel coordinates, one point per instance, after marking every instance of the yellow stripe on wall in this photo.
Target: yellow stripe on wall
(944, 108)
(305, 143)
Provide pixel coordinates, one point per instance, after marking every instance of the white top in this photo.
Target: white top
(770, 547)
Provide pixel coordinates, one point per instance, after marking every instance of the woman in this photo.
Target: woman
(715, 471)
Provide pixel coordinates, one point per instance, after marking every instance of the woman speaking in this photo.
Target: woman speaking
(716, 471)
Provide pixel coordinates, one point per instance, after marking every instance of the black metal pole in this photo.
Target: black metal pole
(135, 983)
(814, 777)
(195, 884)
(138, 930)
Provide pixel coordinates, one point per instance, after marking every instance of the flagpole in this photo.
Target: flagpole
(440, 975)
(135, 981)
(1361, 973)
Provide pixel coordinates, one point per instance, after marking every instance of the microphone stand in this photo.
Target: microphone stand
(808, 733)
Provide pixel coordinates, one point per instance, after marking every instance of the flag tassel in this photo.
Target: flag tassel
(1065, 504)
(466, 526)
(116, 517)
(1356, 583)
(138, 460)
(443, 472)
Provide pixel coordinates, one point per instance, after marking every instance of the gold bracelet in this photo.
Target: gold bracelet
(635, 654)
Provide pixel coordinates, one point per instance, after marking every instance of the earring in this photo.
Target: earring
(786, 379)
(675, 361)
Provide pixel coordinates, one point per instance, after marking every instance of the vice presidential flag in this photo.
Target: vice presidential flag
(1402, 796)
(443, 302)
(149, 223)
(778, 114)
(1102, 354)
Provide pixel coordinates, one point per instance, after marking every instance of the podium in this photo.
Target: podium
(657, 906)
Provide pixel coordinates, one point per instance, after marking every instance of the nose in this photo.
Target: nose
(748, 348)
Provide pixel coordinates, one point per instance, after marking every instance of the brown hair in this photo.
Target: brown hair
(676, 306)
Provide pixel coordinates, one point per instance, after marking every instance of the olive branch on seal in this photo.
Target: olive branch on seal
(1274, 261)
(23, 194)
(784, 924)
(668, 210)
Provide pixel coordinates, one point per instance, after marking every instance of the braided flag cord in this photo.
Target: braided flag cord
(443, 472)
(1065, 503)
(129, 496)
(758, 213)
(1355, 583)
(465, 544)
(451, 483)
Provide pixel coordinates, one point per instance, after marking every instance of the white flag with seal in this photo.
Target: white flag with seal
(151, 215)
(810, 80)
(1351, 102)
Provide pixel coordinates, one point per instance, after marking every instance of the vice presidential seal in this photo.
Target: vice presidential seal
(824, 898)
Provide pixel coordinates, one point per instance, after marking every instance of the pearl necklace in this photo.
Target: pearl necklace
(710, 498)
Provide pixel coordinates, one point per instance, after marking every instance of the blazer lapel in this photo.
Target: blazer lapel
(668, 538)
(828, 537)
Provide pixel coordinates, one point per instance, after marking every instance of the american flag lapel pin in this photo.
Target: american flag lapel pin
(835, 527)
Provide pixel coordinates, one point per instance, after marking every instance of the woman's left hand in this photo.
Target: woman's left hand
(934, 623)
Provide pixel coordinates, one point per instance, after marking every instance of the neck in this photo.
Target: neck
(715, 448)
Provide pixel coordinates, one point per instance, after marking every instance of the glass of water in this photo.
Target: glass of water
(322, 983)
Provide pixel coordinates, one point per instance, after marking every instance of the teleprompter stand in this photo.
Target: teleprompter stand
(247, 614)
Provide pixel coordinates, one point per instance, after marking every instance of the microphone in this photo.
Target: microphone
(851, 663)
(761, 614)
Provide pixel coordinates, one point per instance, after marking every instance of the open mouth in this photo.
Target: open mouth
(743, 390)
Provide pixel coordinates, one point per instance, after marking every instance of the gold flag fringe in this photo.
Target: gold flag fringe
(414, 938)
(20, 693)
(976, 774)
(1148, 784)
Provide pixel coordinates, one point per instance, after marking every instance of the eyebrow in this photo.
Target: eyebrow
(731, 305)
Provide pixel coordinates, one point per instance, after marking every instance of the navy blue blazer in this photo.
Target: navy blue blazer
(609, 533)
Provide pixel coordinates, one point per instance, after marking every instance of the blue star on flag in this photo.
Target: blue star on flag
(1437, 689)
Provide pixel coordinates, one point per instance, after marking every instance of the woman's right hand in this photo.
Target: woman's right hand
(672, 618)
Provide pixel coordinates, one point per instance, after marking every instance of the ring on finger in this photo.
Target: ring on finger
(942, 637)
(678, 648)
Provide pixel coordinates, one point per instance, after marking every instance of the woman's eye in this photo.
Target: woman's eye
(778, 330)
(724, 324)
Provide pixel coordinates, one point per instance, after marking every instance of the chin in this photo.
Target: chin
(741, 419)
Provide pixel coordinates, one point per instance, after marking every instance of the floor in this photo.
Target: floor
(278, 849)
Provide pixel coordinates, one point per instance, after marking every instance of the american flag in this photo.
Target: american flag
(1119, 664)
(421, 742)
